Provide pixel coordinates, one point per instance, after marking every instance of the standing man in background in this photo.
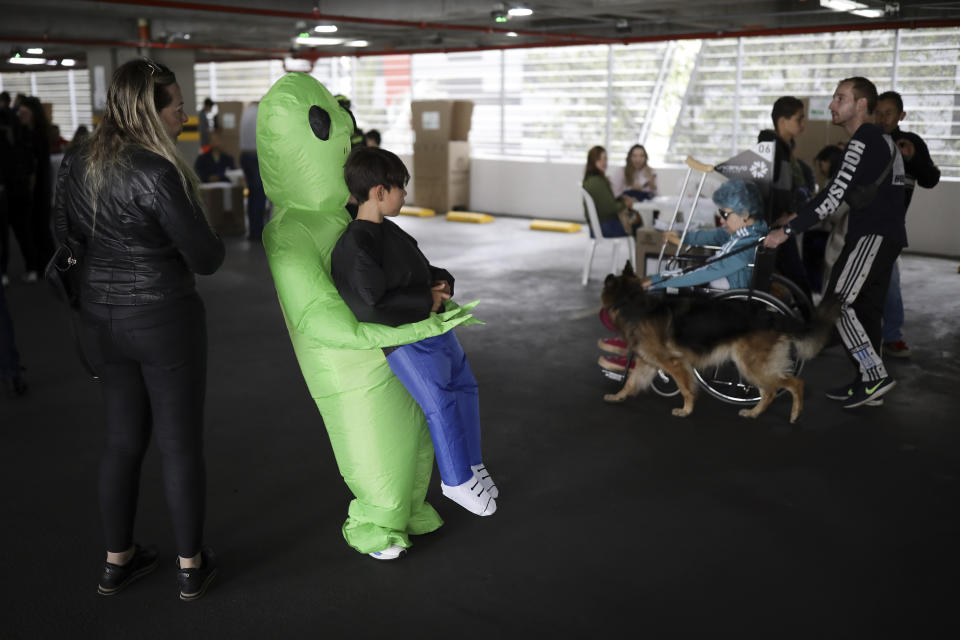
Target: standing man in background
(257, 199)
(207, 123)
(870, 180)
(792, 185)
(919, 169)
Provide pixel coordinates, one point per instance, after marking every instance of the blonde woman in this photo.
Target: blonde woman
(128, 208)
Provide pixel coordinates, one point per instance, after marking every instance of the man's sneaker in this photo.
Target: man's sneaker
(486, 481)
(117, 576)
(897, 349)
(844, 392)
(615, 363)
(393, 552)
(868, 391)
(471, 496)
(194, 582)
(617, 346)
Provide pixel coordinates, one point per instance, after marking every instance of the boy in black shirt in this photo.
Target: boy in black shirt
(870, 180)
(384, 278)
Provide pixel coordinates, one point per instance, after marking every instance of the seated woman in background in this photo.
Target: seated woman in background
(615, 215)
(637, 179)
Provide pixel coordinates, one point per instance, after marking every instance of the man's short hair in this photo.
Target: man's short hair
(892, 95)
(863, 88)
(785, 107)
(374, 135)
(368, 167)
(207, 102)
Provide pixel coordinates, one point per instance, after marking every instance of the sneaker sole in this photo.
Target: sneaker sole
(617, 351)
(875, 398)
(384, 558)
(136, 575)
(187, 597)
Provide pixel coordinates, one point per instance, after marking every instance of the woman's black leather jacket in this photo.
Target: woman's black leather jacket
(147, 238)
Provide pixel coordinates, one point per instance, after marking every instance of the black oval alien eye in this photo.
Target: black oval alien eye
(320, 122)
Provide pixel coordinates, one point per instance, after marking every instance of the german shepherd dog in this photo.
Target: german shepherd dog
(678, 333)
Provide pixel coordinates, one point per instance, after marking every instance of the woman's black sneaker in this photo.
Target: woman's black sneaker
(194, 582)
(115, 576)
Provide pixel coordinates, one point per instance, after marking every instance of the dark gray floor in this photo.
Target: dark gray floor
(611, 517)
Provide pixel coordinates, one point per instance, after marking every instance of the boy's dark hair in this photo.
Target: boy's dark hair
(785, 107)
(367, 167)
(374, 135)
(207, 102)
(863, 88)
(892, 95)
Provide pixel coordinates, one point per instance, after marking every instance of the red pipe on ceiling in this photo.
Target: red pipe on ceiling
(315, 54)
(315, 15)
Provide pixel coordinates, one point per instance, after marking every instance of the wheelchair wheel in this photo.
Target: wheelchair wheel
(724, 381)
(790, 294)
(663, 385)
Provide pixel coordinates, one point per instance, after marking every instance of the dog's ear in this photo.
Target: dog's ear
(628, 269)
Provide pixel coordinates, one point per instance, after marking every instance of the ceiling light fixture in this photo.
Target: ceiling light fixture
(68, 62)
(511, 34)
(18, 59)
(357, 43)
(35, 51)
(856, 8)
(325, 28)
(311, 41)
(519, 12)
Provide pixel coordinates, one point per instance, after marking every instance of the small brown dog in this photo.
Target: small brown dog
(678, 333)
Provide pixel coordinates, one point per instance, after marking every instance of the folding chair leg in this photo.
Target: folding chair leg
(613, 257)
(588, 260)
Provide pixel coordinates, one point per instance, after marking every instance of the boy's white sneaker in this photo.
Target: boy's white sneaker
(471, 496)
(486, 481)
(392, 552)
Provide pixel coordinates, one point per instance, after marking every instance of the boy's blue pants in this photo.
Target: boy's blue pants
(436, 373)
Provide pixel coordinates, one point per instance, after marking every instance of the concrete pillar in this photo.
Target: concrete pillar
(101, 63)
(181, 63)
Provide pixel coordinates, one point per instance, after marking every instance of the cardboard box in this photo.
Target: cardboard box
(228, 123)
(441, 175)
(441, 120)
(442, 194)
(223, 206)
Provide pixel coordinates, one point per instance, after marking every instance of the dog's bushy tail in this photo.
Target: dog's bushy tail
(820, 328)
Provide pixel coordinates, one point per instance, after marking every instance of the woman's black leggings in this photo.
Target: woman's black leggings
(152, 362)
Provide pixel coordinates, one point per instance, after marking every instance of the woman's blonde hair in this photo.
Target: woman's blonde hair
(137, 94)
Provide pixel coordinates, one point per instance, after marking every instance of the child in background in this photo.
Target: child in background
(384, 278)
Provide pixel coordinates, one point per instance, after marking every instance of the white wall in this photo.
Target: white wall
(541, 190)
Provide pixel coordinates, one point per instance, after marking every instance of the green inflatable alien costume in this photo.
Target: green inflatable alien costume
(378, 432)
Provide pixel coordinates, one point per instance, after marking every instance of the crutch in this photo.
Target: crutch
(704, 170)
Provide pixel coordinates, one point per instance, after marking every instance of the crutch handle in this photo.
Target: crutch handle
(699, 166)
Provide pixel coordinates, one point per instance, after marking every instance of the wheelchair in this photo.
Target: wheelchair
(768, 293)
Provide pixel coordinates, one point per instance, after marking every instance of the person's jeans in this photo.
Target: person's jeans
(436, 373)
(257, 199)
(893, 308)
(152, 365)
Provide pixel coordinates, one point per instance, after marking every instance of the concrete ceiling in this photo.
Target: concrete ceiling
(243, 29)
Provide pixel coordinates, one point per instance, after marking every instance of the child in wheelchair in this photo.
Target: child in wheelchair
(741, 208)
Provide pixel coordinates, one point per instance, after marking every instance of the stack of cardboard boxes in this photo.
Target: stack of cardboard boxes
(441, 154)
